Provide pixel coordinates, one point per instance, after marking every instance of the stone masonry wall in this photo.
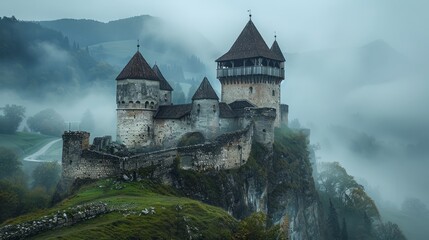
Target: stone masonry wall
(135, 127)
(226, 151)
(137, 100)
(263, 123)
(205, 117)
(168, 131)
(73, 145)
(164, 97)
(262, 92)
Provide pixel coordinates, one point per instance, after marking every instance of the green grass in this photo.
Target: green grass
(54, 153)
(205, 221)
(25, 143)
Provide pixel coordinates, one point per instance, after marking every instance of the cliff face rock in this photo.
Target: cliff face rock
(277, 182)
(292, 194)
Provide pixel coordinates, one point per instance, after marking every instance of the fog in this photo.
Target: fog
(364, 101)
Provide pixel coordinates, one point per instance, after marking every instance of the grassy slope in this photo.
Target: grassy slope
(24, 143)
(166, 223)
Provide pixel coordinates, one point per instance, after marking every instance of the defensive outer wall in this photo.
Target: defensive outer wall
(230, 150)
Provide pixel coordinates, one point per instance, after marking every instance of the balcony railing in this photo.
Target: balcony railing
(254, 70)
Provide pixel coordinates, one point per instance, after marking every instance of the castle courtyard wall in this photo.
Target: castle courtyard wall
(169, 131)
(228, 151)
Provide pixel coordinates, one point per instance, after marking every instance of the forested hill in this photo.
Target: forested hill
(88, 32)
(167, 43)
(38, 62)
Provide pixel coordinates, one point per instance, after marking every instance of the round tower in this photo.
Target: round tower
(252, 71)
(137, 98)
(205, 110)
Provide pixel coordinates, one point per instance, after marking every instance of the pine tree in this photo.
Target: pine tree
(333, 224)
(344, 233)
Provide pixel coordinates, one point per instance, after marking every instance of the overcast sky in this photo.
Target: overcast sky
(300, 25)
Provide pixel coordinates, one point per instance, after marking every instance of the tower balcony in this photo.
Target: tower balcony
(249, 71)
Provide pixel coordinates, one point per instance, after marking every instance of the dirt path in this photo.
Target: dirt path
(33, 157)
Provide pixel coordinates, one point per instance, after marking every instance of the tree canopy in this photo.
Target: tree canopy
(9, 162)
(11, 118)
(46, 175)
(47, 122)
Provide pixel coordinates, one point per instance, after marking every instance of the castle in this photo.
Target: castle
(250, 74)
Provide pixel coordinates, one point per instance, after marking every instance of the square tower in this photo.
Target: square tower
(252, 71)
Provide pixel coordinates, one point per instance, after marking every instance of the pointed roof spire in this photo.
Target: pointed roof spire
(275, 49)
(137, 68)
(205, 91)
(249, 44)
(163, 83)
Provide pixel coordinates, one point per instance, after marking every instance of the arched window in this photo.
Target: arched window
(198, 108)
(130, 102)
(146, 104)
(148, 130)
(250, 90)
(151, 105)
(214, 108)
(274, 93)
(138, 102)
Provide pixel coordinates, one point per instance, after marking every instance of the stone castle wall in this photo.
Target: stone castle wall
(168, 131)
(137, 101)
(135, 127)
(284, 114)
(263, 120)
(261, 91)
(225, 152)
(205, 117)
(165, 97)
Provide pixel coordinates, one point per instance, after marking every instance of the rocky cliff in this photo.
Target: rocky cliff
(277, 182)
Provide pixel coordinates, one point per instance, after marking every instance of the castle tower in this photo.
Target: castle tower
(164, 86)
(205, 110)
(250, 70)
(73, 145)
(137, 98)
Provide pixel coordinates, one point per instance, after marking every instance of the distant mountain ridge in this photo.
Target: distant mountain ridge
(88, 32)
(37, 62)
(183, 54)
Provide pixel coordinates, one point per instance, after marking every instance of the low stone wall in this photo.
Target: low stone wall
(60, 219)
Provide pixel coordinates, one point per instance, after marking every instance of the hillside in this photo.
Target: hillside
(38, 63)
(184, 55)
(134, 210)
(24, 143)
(208, 204)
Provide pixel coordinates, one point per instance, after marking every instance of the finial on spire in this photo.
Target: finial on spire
(138, 44)
(275, 35)
(250, 13)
